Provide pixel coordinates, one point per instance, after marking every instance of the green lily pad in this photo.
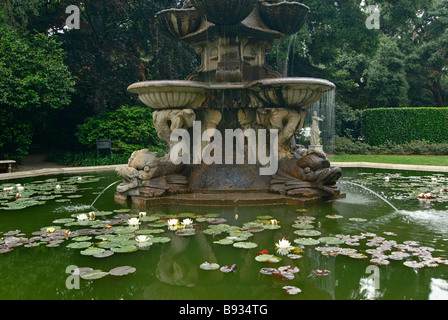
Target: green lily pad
(266, 217)
(334, 216)
(160, 239)
(270, 258)
(82, 238)
(307, 241)
(104, 254)
(122, 271)
(271, 226)
(79, 245)
(331, 240)
(93, 275)
(64, 220)
(307, 233)
(245, 245)
(224, 241)
(124, 249)
(303, 225)
(91, 251)
(149, 231)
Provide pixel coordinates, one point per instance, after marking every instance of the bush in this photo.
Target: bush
(129, 128)
(405, 125)
(347, 146)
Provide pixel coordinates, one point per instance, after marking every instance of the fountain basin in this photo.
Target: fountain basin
(179, 22)
(289, 92)
(286, 17)
(170, 94)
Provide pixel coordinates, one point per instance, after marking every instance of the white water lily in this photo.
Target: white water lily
(82, 217)
(141, 239)
(91, 215)
(173, 224)
(133, 222)
(58, 186)
(8, 189)
(187, 222)
(283, 246)
(274, 222)
(142, 214)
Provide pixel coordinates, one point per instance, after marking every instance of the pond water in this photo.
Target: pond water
(354, 248)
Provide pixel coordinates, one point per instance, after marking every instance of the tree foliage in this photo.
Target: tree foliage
(34, 80)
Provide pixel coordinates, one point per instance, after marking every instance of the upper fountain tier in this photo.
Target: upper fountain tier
(205, 20)
(233, 36)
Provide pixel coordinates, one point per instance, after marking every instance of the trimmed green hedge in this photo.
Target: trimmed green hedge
(404, 125)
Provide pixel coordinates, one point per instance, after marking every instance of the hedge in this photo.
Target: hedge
(404, 125)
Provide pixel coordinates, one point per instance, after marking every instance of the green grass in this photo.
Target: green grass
(394, 159)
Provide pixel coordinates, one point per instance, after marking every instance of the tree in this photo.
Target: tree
(427, 53)
(34, 81)
(387, 85)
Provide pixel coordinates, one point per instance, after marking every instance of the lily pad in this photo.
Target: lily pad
(245, 245)
(307, 233)
(224, 241)
(227, 269)
(307, 241)
(93, 275)
(291, 290)
(209, 266)
(122, 271)
(124, 249)
(91, 251)
(269, 258)
(82, 238)
(160, 239)
(319, 272)
(331, 240)
(79, 245)
(104, 254)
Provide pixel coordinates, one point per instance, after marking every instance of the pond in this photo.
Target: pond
(354, 248)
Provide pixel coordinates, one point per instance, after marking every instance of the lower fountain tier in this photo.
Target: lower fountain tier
(248, 198)
(307, 177)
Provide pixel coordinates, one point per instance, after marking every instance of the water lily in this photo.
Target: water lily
(173, 224)
(91, 215)
(141, 239)
(187, 222)
(20, 188)
(133, 222)
(274, 222)
(283, 246)
(50, 230)
(82, 217)
(142, 214)
(58, 186)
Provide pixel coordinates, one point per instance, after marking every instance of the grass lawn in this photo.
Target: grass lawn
(393, 159)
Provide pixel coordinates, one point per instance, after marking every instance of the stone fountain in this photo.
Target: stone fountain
(234, 90)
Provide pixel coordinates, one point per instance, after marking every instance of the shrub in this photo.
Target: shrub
(404, 125)
(129, 128)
